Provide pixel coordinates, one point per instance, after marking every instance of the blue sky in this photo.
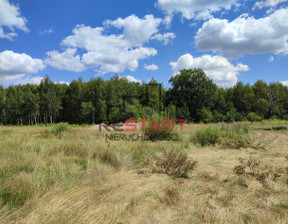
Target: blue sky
(229, 39)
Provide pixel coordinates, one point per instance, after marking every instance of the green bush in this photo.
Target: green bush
(207, 136)
(206, 115)
(252, 117)
(278, 128)
(60, 128)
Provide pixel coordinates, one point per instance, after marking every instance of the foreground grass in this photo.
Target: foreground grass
(78, 177)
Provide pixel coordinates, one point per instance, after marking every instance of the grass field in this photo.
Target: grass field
(77, 177)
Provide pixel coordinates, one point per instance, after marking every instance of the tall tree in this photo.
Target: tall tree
(194, 90)
(2, 105)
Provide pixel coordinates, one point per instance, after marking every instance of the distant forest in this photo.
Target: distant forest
(192, 96)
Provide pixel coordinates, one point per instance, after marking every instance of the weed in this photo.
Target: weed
(173, 164)
(254, 168)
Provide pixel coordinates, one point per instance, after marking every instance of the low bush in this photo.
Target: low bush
(253, 117)
(207, 136)
(279, 128)
(60, 128)
(175, 164)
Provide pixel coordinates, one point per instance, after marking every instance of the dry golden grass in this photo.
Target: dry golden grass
(79, 177)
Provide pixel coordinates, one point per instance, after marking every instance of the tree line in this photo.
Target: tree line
(192, 96)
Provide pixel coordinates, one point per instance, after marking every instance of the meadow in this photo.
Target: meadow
(215, 173)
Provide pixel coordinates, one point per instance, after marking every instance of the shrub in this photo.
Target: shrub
(278, 128)
(207, 136)
(206, 115)
(252, 117)
(60, 128)
(175, 164)
(218, 117)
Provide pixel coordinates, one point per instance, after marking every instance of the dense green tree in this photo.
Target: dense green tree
(72, 101)
(2, 105)
(243, 97)
(96, 93)
(194, 90)
(87, 112)
(50, 100)
(192, 96)
(30, 107)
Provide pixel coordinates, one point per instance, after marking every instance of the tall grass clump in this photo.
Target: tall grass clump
(14, 195)
(60, 128)
(173, 163)
(207, 136)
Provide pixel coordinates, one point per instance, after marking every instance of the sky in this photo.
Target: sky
(231, 40)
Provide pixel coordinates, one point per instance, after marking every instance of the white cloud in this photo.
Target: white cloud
(130, 78)
(20, 79)
(268, 3)
(271, 59)
(62, 82)
(151, 67)
(190, 8)
(245, 35)
(10, 17)
(285, 83)
(46, 31)
(219, 69)
(113, 52)
(136, 31)
(166, 37)
(14, 63)
(66, 60)
(15, 68)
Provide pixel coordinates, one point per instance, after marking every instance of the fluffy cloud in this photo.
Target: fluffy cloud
(166, 37)
(285, 83)
(151, 67)
(66, 60)
(46, 31)
(10, 18)
(268, 3)
(245, 35)
(219, 69)
(110, 53)
(14, 67)
(130, 78)
(271, 59)
(190, 8)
